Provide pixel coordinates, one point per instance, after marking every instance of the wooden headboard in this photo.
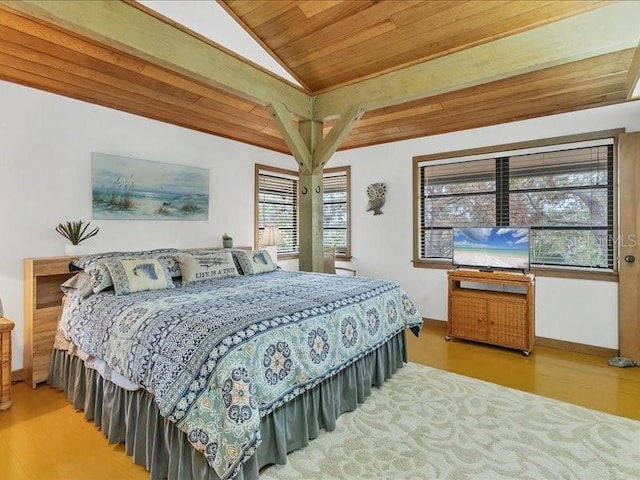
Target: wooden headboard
(42, 304)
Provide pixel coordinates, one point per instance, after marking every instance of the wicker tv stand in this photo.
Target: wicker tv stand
(480, 314)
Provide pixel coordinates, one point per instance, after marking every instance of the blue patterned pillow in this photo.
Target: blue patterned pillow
(95, 264)
(206, 266)
(138, 275)
(253, 263)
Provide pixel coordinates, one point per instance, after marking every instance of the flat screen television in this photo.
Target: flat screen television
(500, 248)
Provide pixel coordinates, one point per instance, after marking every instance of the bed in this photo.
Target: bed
(217, 377)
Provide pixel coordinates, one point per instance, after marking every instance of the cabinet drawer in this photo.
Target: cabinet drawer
(508, 324)
(45, 322)
(468, 317)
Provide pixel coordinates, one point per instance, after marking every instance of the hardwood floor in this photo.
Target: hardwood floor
(577, 378)
(42, 438)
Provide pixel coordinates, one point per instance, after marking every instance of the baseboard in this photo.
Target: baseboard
(545, 342)
(17, 376)
(430, 322)
(575, 347)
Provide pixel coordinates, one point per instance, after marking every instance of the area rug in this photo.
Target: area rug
(426, 423)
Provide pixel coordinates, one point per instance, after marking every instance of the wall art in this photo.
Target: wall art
(376, 193)
(133, 189)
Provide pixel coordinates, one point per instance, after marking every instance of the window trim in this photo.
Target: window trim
(546, 271)
(283, 171)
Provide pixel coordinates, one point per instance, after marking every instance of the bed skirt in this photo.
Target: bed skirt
(132, 417)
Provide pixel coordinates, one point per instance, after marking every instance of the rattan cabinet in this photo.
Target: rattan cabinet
(5, 362)
(492, 307)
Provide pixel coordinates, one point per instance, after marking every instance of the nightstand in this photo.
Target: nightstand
(5, 362)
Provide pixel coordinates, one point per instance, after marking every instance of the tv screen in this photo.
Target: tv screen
(495, 247)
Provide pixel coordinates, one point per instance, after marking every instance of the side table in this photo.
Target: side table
(5, 362)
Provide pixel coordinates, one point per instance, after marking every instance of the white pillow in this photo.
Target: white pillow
(206, 266)
(80, 285)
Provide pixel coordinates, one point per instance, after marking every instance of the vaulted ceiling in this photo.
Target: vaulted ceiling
(415, 68)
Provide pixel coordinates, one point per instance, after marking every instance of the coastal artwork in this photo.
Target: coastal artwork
(497, 247)
(133, 189)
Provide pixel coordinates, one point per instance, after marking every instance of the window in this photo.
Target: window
(336, 209)
(564, 194)
(277, 204)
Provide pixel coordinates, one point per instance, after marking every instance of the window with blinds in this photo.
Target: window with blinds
(563, 194)
(336, 209)
(277, 202)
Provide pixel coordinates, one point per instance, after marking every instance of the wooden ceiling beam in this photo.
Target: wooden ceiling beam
(633, 76)
(340, 130)
(130, 29)
(568, 40)
(299, 149)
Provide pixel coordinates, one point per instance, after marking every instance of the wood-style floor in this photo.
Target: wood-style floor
(42, 438)
(577, 378)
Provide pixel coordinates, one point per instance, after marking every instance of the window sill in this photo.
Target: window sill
(288, 256)
(439, 264)
(606, 276)
(295, 256)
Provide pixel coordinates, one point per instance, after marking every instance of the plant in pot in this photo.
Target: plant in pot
(227, 241)
(76, 232)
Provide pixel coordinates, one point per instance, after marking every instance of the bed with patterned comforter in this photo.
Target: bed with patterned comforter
(219, 355)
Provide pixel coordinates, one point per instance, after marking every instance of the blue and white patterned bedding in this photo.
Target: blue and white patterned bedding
(218, 355)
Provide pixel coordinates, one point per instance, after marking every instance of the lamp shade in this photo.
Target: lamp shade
(271, 236)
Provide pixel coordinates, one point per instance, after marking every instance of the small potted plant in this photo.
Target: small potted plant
(227, 241)
(76, 232)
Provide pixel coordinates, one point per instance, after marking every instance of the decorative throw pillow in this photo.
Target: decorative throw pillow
(253, 263)
(196, 267)
(233, 251)
(95, 264)
(80, 285)
(138, 275)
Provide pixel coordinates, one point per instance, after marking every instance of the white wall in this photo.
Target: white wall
(45, 178)
(581, 311)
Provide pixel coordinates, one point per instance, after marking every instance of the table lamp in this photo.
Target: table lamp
(270, 239)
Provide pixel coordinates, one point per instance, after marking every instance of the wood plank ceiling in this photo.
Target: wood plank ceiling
(327, 45)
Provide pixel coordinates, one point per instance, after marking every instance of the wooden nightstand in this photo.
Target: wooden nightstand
(5, 362)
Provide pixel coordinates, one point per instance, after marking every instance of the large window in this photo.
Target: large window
(277, 204)
(564, 194)
(336, 209)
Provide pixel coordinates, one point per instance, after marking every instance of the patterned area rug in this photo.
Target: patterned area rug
(426, 423)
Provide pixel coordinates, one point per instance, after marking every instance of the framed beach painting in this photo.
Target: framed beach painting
(133, 189)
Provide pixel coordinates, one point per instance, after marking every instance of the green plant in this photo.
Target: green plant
(226, 237)
(76, 232)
